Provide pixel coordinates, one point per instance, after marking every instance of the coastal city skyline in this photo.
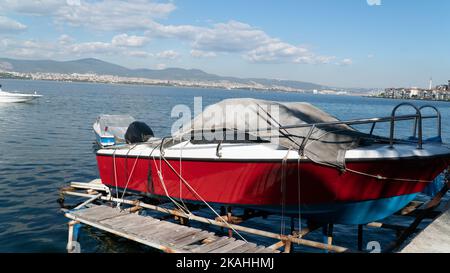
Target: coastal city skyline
(359, 43)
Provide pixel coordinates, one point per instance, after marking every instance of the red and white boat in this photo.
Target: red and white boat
(320, 174)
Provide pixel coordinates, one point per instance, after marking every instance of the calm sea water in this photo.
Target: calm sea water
(48, 143)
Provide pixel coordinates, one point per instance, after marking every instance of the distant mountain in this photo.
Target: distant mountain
(99, 67)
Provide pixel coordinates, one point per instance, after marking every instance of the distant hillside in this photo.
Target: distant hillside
(99, 67)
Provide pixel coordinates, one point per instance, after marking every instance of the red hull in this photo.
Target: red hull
(259, 183)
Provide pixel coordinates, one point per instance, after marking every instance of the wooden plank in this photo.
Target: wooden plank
(191, 239)
(169, 238)
(98, 213)
(263, 250)
(229, 248)
(182, 235)
(170, 228)
(252, 250)
(136, 225)
(244, 248)
(163, 235)
(138, 230)
(128, 220)
(160, 234)
(96, 224)
(213, 245)
(268, 250)
(159, 227)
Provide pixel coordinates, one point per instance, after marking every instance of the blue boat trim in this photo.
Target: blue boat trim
(105, 141)
(348, 213)
(355, 213)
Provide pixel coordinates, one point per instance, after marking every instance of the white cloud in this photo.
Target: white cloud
(66, 47)
(32, 7)
(275, 51)
(10, 25)
(230, 37)
(27, 49)
(371, 56)
(374, 2)
(141, 16)
(168, 54)
(346, 62)
(102, 15)
(73, 2)
(139, 54)
(65, 39)
(129, 41)
(237, 37)
(202, 54)
(91, 47)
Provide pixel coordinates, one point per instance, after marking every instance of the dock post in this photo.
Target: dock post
(72, 244)
(293, 225)
(229, 220)
(222, 212)
(288, 247)
(327, 232)
(360, 237)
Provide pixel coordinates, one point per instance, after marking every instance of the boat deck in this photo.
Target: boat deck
(160, 234)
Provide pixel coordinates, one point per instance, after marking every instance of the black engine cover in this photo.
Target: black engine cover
(138, 132)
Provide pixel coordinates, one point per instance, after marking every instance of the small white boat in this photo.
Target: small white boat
(16, 97)
(110, 129)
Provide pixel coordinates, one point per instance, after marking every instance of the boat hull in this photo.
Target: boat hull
(6, 97)
(326, 194)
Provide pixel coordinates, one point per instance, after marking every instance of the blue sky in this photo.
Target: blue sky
(348, 43)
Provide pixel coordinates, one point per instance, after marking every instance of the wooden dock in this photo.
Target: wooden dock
(167, 228)
(435, 238)
(160, 234)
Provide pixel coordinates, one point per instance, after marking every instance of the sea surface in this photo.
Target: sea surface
(48, 143)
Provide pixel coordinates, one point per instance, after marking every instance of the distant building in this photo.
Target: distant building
(440, 92)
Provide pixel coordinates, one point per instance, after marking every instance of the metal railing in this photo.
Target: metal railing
(417, 130)
(418, 120)
(392, 119)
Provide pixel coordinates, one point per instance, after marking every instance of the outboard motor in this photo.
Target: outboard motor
(138, 132)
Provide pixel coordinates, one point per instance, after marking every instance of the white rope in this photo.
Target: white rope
(201, 198)
(181, 174)
(184, 209)
(132, 170)
(380, 177)
(115, 173)
(283, 190)
(187, 213)
(299, 199)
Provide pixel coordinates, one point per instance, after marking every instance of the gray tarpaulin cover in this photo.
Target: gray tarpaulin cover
(327, 144)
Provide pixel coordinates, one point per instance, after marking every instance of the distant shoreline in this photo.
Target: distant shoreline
(153, 82)
(150, 84)
(416, 99)
(171, 84)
